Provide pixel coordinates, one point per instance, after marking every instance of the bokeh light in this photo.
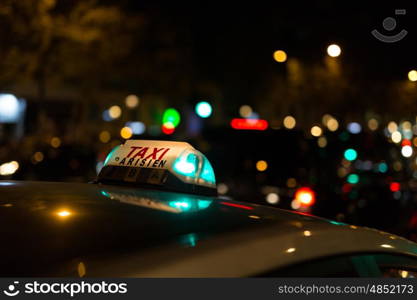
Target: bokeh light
(397, 166)
(295, 204)
(172, 116)
(289, 122)
(382, 167)
(245, 111)
(392, 126)
(291, 182)
(280, 56)
(353, 178)
(407, 151)
(63, 213)
(395, 186)
(412, 75)
(222, 188)
(106, 116)
(396, 137)
(137, 127)
(261, 165)
(132, 101)
(326, 119)
(373, 124)
(168, 128)
(38, 157)
(406, 125)
(55, 142)
(115, 112)
(305, 196)
(203, 109)
(350, 154)
(272, 198)
(104, 136)
(332, 124)
(354, 127)
(322, 142)
(9, 168)
(249, 124)
(126, 133)
(405, 142)
(316, 131)
(9, 108)
(334, 50)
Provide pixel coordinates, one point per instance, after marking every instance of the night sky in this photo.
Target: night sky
(242, 37)
(232, 44)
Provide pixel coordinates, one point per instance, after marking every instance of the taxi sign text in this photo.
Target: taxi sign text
(147, 157)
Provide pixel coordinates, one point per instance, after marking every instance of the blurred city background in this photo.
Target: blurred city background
(296, 106)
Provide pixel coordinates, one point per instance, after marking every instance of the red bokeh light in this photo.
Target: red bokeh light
(168, 128)
(394, 186)
(406, 142)
(305, 196)
(249, 124)
(346, 188)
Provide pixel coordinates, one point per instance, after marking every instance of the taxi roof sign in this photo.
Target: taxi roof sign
(168, 165)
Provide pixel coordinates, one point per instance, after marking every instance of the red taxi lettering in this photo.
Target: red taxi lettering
(163, 153)
(133, 150)
(153, 154)
(141, 153)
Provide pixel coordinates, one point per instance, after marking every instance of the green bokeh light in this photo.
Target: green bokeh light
(350, 154)
(171, 115)
(353, 178)
(383, 167)
(203, 109)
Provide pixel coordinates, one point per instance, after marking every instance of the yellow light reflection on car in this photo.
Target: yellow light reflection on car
(307, 233)
(254, 217)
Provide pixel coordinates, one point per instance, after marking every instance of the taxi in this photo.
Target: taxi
(153, 211)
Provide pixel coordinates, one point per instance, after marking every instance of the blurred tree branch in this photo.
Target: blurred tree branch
(62, 41)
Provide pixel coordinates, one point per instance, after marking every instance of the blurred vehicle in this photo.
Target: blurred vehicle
(154, 212)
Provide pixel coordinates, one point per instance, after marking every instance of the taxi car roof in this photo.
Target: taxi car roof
(62, 224)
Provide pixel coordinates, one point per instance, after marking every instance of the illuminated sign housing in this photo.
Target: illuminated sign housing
(175, 166)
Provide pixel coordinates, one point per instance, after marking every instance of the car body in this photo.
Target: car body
(100, 230)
